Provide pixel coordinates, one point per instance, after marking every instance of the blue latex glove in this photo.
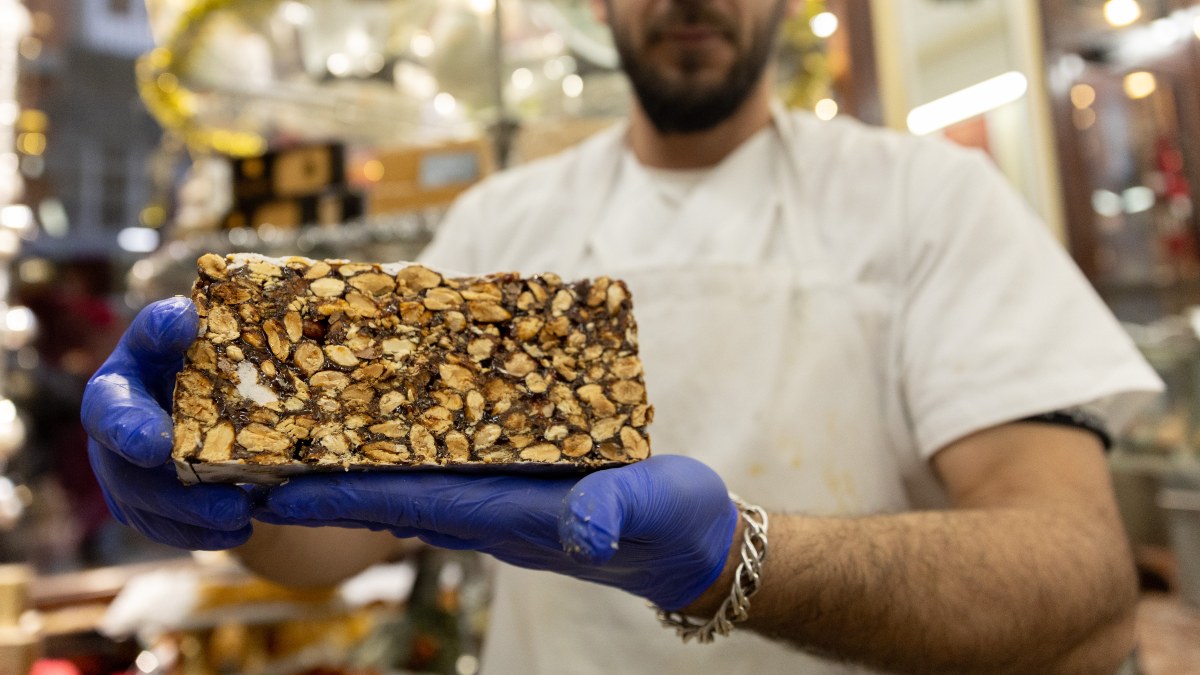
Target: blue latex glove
(129, 438)
(660, 529)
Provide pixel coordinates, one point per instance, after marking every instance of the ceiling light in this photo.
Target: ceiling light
(967, 103)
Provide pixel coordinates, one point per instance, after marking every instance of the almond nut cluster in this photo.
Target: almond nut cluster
(305, 365)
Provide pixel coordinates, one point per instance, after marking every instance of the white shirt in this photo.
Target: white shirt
(928, 303)
(641, 228)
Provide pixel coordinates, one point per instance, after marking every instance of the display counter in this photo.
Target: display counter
(205, 614)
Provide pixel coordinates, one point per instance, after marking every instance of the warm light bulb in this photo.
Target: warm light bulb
(10, 112)
(445, 104)
(824, 24)
(153, 216)
(296, 13)
(8, 411)
(32, 143)
(1083, 96)
(422, 45)
(146, 662)
(20, 325)
(522, 78)
(373, 170)
(1140, 84)
(1120, 13)
(33, 120)
(572, 86)
(826, 109)
(338, 65)
(17, 217)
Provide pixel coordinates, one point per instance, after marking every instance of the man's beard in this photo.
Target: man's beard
(681, 107)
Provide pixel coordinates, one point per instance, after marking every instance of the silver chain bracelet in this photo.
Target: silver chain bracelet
(746, 582)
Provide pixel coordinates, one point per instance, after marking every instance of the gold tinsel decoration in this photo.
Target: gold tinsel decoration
(809, 77)
(172, 104)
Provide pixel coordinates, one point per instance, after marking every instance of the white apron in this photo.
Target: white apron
(778, 377)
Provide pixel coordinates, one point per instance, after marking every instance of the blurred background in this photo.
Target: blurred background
(134, 137)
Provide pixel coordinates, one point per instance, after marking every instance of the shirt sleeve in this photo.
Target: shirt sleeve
(998, 323)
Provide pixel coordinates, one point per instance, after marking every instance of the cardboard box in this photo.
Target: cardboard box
(332, 208)
(296, 172)
(406, 179)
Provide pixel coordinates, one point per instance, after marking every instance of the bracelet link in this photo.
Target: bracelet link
(746, 582)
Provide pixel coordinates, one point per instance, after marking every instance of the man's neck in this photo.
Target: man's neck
(703, 148)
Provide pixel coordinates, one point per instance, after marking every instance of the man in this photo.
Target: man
(865, 334)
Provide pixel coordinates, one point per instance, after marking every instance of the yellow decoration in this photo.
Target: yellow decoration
(812, 81)
(33, 121)
(32, 143)
(153, 216)
(373, 170)
(172, 104)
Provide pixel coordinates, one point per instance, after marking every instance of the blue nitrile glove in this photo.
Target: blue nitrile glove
(129, 438)
(660, 529)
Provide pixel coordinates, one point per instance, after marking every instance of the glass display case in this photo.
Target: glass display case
(1124, 88)
(973, 72)
(239, 76)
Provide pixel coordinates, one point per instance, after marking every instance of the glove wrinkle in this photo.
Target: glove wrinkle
(159, 338)
(182, 535)
(122, 417)
(223, 507)
(448, 542)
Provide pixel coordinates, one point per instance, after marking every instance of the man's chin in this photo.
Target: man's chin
(700, 69)
(694, 82)
(691, 91)
(687, 113)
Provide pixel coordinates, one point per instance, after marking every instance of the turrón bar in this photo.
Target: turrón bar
(304, 365)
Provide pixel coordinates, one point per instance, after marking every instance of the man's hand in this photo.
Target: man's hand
(660, 529)
(129, 430)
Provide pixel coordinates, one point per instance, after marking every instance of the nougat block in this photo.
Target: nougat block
(304, 365)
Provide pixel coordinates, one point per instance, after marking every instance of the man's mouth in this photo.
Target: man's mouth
(692, 26)
(692, 34)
